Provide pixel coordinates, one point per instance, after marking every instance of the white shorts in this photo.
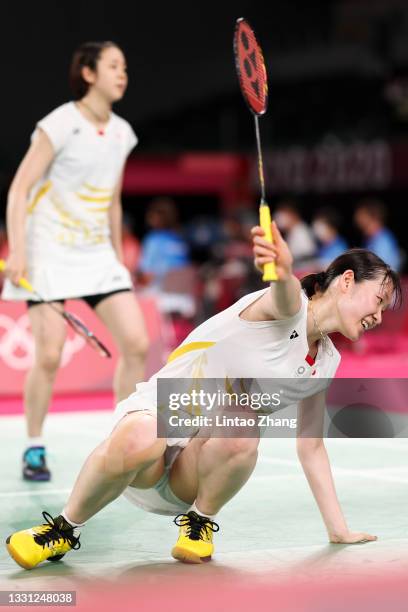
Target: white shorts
(160, 499)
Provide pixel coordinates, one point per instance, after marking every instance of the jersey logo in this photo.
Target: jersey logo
(294, 334)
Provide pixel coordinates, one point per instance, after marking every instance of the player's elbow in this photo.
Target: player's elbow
(286, 309)
(291, 308)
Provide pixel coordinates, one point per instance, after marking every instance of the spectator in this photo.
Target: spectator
(326, 227)
(165, 268)
(370, 218)
(163, 248)
(204, 234)
(297, 233)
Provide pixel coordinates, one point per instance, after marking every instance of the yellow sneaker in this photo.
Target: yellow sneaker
(47, 542)
(194, 544)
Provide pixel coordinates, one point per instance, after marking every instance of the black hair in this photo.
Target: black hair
(86, 55)
(365, 265)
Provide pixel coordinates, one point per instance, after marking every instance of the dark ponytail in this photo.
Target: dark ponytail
(365, 265)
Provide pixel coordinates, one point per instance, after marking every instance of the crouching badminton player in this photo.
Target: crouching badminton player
(193, 478)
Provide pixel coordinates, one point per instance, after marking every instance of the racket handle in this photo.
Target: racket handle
(23, 282)
(269, 269)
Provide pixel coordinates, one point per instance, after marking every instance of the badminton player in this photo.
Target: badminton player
(64, 230)
(281, 331)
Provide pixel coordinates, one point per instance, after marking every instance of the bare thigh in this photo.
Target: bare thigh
(49, 332)
(151, 471)
(184, 471)
(123, 317)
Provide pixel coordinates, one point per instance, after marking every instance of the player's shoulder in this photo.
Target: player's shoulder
(63, 111)
(60, 120)
(121, 122)
(125, 129)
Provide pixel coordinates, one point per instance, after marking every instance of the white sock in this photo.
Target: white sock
(195, 509)
(35, 441)
(76, 526)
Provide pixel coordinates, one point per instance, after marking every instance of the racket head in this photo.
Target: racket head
(250, 66)
(90, 338)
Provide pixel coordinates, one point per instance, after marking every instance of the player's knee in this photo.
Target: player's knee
(134, 443)
(240, 449)
(135, 346)
(48, 358)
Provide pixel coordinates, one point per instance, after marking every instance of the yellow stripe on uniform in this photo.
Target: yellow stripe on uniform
(93, 199)
(98, 189)
(40, 193)
(187, 348)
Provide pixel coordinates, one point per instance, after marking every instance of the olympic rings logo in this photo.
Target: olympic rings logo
(17, 344)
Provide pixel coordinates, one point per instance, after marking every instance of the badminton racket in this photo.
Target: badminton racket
(76, 324)
(253, 80)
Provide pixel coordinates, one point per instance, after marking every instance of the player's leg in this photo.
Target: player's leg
(49, 332)
(132, 453)
(207, 474)
(123, 317)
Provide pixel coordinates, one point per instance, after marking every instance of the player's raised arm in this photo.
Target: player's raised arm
(283, 300)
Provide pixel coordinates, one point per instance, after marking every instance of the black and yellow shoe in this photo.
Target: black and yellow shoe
(194, 544)
(47, 542)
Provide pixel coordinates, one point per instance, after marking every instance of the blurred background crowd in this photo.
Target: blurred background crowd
(335, 137)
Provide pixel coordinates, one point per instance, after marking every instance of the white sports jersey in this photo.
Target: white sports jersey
(227, 346)
(68, 246)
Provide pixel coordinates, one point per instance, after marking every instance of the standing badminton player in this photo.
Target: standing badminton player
(193, 478)
(64, 229)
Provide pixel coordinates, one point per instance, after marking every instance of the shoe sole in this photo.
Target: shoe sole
(187, 556)
(37, 478)
(15, 555)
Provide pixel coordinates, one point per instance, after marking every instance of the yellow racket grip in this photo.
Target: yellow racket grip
(23, 282)
(269, 269)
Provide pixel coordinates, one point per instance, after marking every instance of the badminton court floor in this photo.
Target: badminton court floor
(270, 531)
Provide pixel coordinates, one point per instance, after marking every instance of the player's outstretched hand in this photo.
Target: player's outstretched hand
(352, 537)
(266, 252)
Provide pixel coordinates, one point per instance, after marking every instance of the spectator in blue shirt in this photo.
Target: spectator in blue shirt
(326, 227)
(163, 248)
(370, 218)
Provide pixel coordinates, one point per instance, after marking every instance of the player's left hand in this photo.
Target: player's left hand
(277, 251)
(352, 537)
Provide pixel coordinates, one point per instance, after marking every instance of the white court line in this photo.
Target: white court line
(370, 474)
(29, 493)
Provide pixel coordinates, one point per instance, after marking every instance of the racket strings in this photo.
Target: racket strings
(252, 70)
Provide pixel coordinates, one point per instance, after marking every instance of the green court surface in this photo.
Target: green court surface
(270, 531)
